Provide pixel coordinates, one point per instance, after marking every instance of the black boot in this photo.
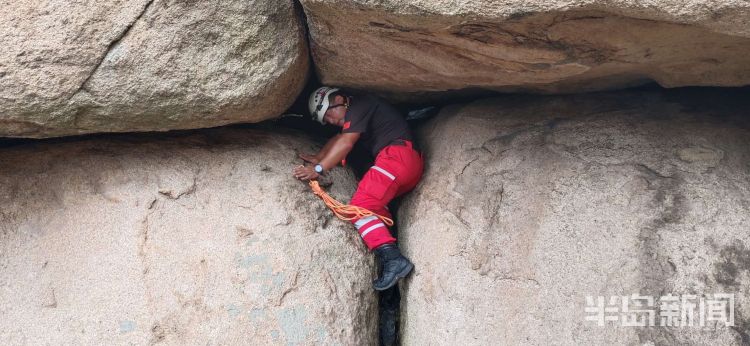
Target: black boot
(395, 266)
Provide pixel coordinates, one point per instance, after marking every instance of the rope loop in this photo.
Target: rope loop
(344, 211)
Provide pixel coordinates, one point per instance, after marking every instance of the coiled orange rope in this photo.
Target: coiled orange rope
(343, 211)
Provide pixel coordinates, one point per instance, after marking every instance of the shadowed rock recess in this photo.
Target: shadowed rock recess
(420, 46)
(73, 67)
(530, 204)
(202, 239)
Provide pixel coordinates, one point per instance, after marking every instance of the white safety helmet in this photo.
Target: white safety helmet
(319, 102)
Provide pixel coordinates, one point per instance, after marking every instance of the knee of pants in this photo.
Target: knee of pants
(381, 210)
(377, 206)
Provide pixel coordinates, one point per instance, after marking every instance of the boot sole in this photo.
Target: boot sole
(402, 274)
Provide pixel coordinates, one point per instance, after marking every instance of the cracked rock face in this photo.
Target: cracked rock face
(538, 202)
(185, 239)
(73, 67)
(420, 46)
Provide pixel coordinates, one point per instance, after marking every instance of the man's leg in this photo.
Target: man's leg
(374, 193)
(379, 186)
(375, 190)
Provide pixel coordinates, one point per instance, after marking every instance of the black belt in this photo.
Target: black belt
(406, 143)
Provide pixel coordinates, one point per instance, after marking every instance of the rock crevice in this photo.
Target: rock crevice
(112, 45)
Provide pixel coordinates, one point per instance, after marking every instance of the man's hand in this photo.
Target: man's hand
(334, 151)
(309, 158)
(305, 173)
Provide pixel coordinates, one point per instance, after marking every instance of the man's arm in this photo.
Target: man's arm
(336, 149)
(314, 159)
(326, 148)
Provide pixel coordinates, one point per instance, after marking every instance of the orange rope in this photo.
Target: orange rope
(343, 211)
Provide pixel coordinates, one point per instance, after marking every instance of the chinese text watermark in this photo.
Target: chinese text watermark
(666, 311)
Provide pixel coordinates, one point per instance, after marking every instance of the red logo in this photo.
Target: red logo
(346, 124)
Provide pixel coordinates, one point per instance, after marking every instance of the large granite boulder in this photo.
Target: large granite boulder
(529, 205)
(417, 46)
(72, 67)
(200, 239)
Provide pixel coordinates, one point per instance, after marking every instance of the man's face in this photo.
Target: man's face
(335, 115)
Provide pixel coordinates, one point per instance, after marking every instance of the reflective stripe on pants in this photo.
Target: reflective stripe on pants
(397, 170)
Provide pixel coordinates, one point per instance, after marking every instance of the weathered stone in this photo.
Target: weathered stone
(72, 67)
(531, 204)
(419, 46)
(186, 239)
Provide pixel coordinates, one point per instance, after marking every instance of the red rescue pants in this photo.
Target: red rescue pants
(397, 170)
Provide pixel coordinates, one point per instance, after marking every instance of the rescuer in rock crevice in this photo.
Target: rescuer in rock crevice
(398, 167)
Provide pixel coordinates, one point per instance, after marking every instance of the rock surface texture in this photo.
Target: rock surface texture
(184, 240)
(416, 46)
(531, 204)
(72, 67)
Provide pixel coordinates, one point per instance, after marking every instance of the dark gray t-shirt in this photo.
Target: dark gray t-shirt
(378, 122)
